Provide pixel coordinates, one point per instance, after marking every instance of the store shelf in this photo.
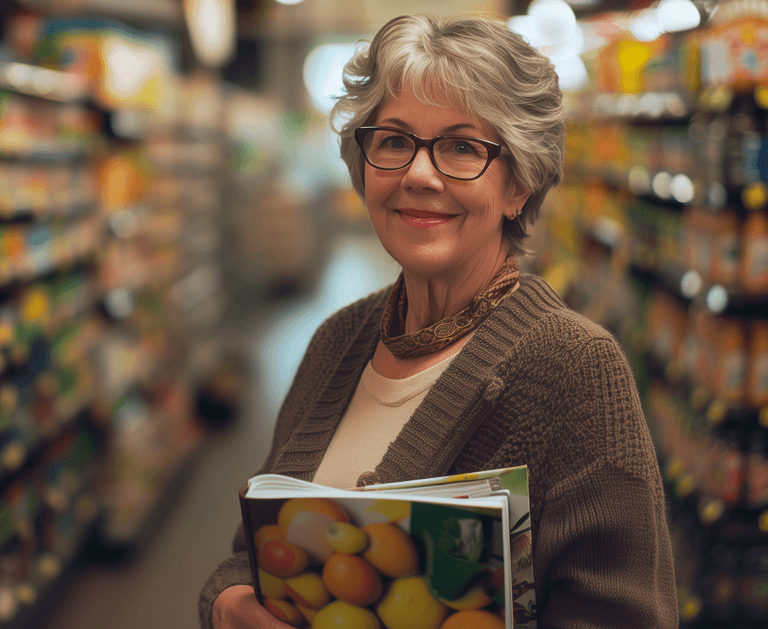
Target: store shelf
(42, 248)
(132, 517)
(19, 450)
(28, 603)
(96, 188)
(667, 107)
(44, 83)
(39, 152)
(662, 225)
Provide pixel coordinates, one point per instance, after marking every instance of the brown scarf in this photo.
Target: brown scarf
(445, 332)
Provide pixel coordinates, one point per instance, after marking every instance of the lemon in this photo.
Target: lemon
(408, 604)
(270, 585)
(341, 615)
(346, 538)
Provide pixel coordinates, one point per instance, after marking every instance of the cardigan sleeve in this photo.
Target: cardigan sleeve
(604, 548)
(235, 570)
(325, 349)
(570, 410)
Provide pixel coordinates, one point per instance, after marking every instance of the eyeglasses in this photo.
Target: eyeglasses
(455, 156)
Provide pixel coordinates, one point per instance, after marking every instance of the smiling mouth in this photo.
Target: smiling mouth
(424, 219)
(424, 214)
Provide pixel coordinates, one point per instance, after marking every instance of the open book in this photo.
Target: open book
(443, 553)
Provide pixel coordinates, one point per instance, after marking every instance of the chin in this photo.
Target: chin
(424, 265)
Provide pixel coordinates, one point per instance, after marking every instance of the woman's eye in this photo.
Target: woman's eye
(464, 148)
(394, 142)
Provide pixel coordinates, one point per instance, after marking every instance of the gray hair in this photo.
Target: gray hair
(473, 64)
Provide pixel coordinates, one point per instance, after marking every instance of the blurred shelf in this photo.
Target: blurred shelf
(28, 603)
(18, 450)
(40, 152)
(43, 83)
(648, 107)
(690, 287)
(49, 212)
(131, 517)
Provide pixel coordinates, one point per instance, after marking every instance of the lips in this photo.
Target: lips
(424, 219)
(424, 214)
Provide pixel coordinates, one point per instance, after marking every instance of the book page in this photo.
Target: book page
(452, 555)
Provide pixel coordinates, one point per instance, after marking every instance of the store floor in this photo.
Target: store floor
(158, 587)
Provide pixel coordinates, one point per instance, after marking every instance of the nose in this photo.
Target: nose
(421, 174)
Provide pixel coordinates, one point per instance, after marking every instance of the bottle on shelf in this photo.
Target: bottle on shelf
(718, 583)
(729, 359)
(752, 592)
(753, 269)
(726, 249)
(756, 470)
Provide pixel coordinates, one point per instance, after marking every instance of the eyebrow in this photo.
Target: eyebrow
(447, 131)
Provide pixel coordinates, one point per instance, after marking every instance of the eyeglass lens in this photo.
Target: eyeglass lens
(456, 157)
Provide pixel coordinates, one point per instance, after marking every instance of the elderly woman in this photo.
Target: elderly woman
(453, 135)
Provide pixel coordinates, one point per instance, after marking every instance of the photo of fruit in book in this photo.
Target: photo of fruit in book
(349, 563)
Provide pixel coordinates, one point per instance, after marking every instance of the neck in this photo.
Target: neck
(434, 298)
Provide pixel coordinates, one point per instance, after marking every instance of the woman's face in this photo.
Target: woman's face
(432, 225)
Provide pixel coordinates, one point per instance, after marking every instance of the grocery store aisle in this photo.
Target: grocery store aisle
(158, 588)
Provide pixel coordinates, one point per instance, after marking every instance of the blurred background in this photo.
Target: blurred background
(175, 222)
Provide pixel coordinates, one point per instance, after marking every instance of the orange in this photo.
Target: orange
(352, 579)
(282, 559)
(266, 533)
(473, 619)
(391, 550)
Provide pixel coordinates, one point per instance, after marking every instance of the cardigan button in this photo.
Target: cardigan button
(492, 390)
(368, 478)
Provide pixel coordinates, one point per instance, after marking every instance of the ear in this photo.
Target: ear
(515, 200)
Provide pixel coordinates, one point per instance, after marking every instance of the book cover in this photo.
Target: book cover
(432, 554)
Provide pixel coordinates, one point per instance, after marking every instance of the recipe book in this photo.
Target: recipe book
(436, 553)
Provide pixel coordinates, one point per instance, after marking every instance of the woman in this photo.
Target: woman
(454, 134)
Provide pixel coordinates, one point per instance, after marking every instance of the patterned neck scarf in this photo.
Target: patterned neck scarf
(445, 332)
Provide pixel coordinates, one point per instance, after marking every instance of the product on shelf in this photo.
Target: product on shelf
(665, 200)
(753, 270)
(96, 352)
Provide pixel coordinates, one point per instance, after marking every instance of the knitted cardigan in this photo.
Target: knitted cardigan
(537, 384)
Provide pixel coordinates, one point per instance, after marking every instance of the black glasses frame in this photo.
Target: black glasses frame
(494, 150)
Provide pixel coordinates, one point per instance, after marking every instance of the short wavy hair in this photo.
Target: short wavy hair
(476, 65)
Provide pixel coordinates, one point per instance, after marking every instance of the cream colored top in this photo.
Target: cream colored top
(377, 412)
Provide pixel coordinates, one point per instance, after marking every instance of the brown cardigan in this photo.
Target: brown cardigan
(539, 385)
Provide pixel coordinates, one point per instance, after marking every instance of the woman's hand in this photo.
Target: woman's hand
(237, 608)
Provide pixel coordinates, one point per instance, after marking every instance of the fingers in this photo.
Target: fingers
(237, 608)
